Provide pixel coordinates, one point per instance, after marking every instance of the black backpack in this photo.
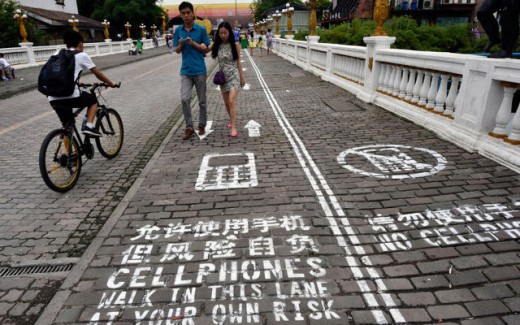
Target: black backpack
(57, 74)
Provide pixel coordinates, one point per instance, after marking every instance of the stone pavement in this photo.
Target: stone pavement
(27, 78)
(332, 211)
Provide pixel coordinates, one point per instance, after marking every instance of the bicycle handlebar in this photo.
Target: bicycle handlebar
(95, 85)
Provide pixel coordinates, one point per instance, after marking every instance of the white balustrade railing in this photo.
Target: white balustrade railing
(28, 55)
(465, 99)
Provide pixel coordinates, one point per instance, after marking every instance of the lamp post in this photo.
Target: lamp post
(270, 22)
(128, 26)
(289, 12)
(380, 15)
(154, 28)
(73, 21)
(143, 35)
(163, 24)
(277, 16)
(21, 19)
(106, 24)
(313, 37)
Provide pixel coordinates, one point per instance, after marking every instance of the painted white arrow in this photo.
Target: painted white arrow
(209, 129)
(253, 128)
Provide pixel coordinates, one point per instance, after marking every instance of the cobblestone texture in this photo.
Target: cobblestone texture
(435, 249)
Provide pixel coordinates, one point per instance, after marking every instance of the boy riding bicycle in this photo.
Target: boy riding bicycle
(64, 105)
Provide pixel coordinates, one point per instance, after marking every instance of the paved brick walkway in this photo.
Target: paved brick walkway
(333, 211)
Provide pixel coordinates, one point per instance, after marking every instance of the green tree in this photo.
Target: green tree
(86, 7)
(118, 12)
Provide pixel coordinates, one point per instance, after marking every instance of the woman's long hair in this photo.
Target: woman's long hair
(218, 41)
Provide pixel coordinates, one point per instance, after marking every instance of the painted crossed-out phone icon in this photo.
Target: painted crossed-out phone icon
(227, 171)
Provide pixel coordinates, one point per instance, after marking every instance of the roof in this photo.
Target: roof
(59, 18)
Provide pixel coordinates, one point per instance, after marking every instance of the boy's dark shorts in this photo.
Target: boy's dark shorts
(63, 107)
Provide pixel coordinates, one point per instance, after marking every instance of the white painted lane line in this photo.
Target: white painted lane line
(320, 186)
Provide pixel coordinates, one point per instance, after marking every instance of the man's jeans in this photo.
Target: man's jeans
(187, 83)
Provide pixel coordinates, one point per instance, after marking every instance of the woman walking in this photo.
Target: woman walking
(227, 53)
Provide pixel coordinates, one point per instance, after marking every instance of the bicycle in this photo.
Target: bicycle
(61, 150)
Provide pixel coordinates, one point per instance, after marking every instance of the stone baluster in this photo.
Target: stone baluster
(404, 82)
(382, 75)
(418, 86)
(514, 136)
(440, 99)
(425, 88)
(432, 92)
(504, 111)
(452, 96)
(389, 83)
(397, 81)
(409, 86)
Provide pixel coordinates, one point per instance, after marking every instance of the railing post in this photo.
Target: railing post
(30, 52)
(329, 64)
(504, 112)
(514, 136)
(372, 68)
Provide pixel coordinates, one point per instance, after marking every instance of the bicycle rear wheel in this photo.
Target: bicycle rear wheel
(110, 125)
(60, 162)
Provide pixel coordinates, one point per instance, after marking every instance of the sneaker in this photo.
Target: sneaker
(202, 130)
(187, 134)
(4, 78)
(90, 131)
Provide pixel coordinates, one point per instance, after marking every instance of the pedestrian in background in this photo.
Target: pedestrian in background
(508, 11)
(260, 45)
(139, 45)
(269, 39)
(227, 53)
(252, 45)
(192, 41)
(6, 69)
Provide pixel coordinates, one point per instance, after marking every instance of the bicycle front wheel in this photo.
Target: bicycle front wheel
(60, 161)
(110, 125)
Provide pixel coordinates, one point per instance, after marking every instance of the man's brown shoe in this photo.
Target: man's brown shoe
(187, 134)
(202, 130)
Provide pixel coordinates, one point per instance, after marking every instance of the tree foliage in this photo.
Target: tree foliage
(118, 12)
(9, 29)
(454, 38)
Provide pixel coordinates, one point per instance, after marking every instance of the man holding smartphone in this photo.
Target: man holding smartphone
(192, 41)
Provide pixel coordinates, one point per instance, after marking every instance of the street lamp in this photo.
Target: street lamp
(106, 24)
(21, 19)
(312, 20)
(154, 28)
(143, 27)
(277, 16)
(163, 23)
(73, 21)
(289, 12)
(128, 26)
(380, 15)
(270, 22)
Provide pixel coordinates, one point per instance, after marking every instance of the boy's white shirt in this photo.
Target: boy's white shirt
(83, 61)
(4, 63)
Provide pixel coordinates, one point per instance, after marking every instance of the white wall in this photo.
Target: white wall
(70, 5)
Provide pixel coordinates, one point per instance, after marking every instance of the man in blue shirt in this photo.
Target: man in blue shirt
(192, 41)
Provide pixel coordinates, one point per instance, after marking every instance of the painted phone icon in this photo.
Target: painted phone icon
(227, 171)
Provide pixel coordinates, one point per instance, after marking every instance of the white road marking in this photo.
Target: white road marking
(226, 176)
(209, 129)
(330, 206)
(253, 128)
